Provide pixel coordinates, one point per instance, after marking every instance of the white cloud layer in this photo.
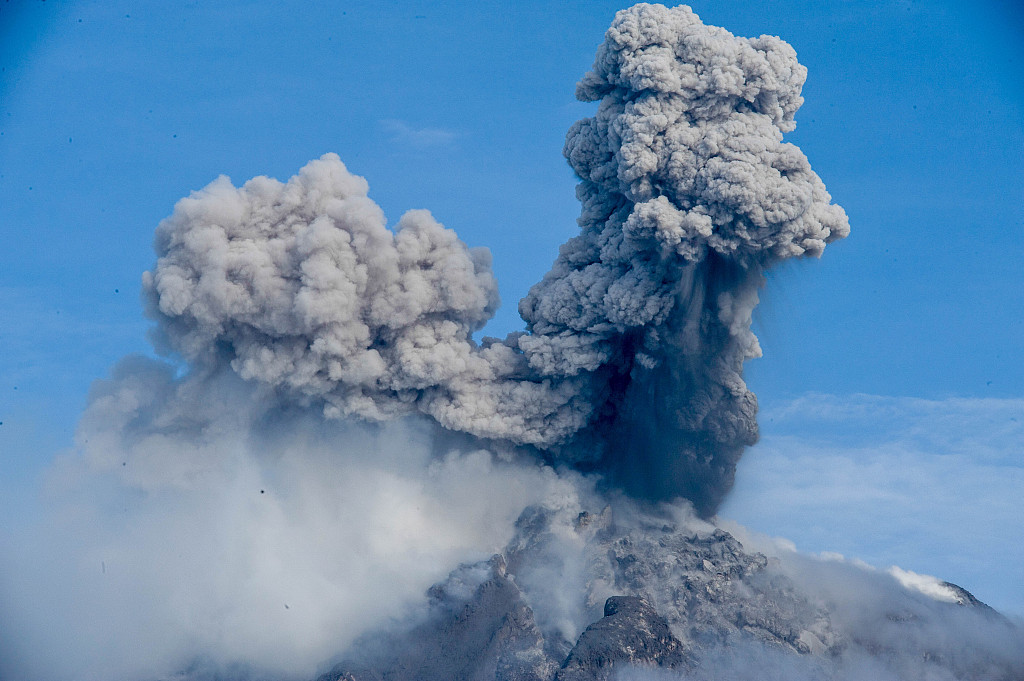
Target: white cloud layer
(422, 137)
(930, 485)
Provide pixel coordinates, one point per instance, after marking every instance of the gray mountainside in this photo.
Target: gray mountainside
(581, 596)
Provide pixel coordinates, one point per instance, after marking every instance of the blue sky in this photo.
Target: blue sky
(912, 327)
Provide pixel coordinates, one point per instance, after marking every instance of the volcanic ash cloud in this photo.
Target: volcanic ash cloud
(631, 361)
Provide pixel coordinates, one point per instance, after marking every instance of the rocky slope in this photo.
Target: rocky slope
(587, 596)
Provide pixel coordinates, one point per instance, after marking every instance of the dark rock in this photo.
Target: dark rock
(631, 632)
(967, 599)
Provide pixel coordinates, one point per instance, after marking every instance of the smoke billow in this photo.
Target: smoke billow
(631, 362)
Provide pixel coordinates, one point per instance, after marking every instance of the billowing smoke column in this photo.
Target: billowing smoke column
(631, 362)
(688, 194)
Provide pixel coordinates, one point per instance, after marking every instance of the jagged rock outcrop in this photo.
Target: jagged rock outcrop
(631, 632)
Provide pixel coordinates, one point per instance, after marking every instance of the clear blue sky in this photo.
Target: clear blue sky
(111, 111)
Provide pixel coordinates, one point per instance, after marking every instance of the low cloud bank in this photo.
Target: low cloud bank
(930, 485)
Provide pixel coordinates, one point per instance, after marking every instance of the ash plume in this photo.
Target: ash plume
(340, 482)
(631, 361)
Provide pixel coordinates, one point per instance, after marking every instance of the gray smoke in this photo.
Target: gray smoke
(688, 194)
(631, 362)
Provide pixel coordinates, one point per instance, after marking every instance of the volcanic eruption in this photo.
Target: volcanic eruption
(331, 476)
(632, 357)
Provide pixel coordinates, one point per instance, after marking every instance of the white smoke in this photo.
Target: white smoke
(199, 525)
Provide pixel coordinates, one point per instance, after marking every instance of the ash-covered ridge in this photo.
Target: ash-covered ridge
(621, 595)
(635, 340)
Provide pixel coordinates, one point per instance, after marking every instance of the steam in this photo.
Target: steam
(199, 526)
(631, 363)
